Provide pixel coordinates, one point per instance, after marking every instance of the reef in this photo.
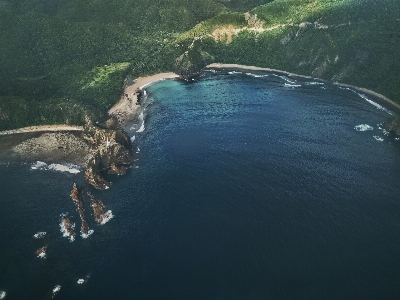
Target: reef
(76, 195)
(112, 150)
(41, 253)
(98, 206)
(392, 126)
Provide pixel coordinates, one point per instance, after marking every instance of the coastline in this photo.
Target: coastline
(378, 98)
(127, 107)
(42, 128)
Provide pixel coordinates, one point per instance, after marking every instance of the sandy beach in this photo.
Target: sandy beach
(126, 109)
(42, 128)
(378, 98)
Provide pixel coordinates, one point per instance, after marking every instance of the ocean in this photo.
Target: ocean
(247, 186)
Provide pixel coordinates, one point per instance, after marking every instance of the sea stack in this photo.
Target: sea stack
(76, 195)
(41, 253)
(98, 206)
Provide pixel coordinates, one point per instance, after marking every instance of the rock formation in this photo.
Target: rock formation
(112, 148)
(41, 253)
(76, 195)
(98, 206)
(67, 228)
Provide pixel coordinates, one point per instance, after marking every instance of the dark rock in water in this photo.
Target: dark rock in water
(76, 195)
(112, 148)
(392, 126)
(98, 206)
(67, 228)
(42, 252)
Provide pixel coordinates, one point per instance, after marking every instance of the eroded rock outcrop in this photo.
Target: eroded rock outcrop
(112, 150)
(67, 228)
(98, 206)
(76, 195)
(42, 252)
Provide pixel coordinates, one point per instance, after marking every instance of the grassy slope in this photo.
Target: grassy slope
(61, 60)
(360, 45)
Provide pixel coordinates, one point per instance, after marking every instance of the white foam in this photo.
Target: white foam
(3, 294)
(65, 168)
(85, 236)
(378, 138)
(234, 72)
(56, 289)
(39, 235)
(255, 75)
(133, 139)
(80, 281)
(107, 217)
(292, 85)
(363, 127)
(65, 232)
(374, 103)
(141, 129)
(286, 79)
(38, 165)
(315, 83)
(397, 139)
(70, 168)
(42, 255)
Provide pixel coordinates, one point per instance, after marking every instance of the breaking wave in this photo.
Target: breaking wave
(107, 216)
(255, 75)
(56, 289)
(85, 236)
(70, 168)
(2, 295)
(378, 138)
(39, 235)
(374, 103)
(235, 72)
(363, 127)
(292, 85)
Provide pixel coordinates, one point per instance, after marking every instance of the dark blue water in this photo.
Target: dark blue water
(247, 188)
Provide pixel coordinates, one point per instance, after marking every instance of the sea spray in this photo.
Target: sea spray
(67, 228)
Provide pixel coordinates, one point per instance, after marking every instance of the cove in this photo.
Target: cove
(249, 186)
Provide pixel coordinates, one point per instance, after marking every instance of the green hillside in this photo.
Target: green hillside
(61, 60)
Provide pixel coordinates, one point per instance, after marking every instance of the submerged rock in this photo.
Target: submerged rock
(41, 253)
(39, 235)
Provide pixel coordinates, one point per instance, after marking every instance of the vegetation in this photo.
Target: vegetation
(64, 60)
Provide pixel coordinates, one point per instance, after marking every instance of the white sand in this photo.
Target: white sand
(126, 109)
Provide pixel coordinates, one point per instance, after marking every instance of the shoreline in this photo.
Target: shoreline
(126, 109)
(376, 97)
(42, 128)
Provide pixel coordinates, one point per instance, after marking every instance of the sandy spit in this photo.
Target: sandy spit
(126, 109)
(378, 98)
(42, 128)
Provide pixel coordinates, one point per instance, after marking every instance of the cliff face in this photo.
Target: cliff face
(112, 150)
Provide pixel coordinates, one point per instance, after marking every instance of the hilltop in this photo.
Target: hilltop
(64, 60)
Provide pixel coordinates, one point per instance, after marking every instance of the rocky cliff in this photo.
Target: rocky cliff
(112, 151)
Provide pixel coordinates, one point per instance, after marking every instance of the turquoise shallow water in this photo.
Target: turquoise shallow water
(247, 188)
